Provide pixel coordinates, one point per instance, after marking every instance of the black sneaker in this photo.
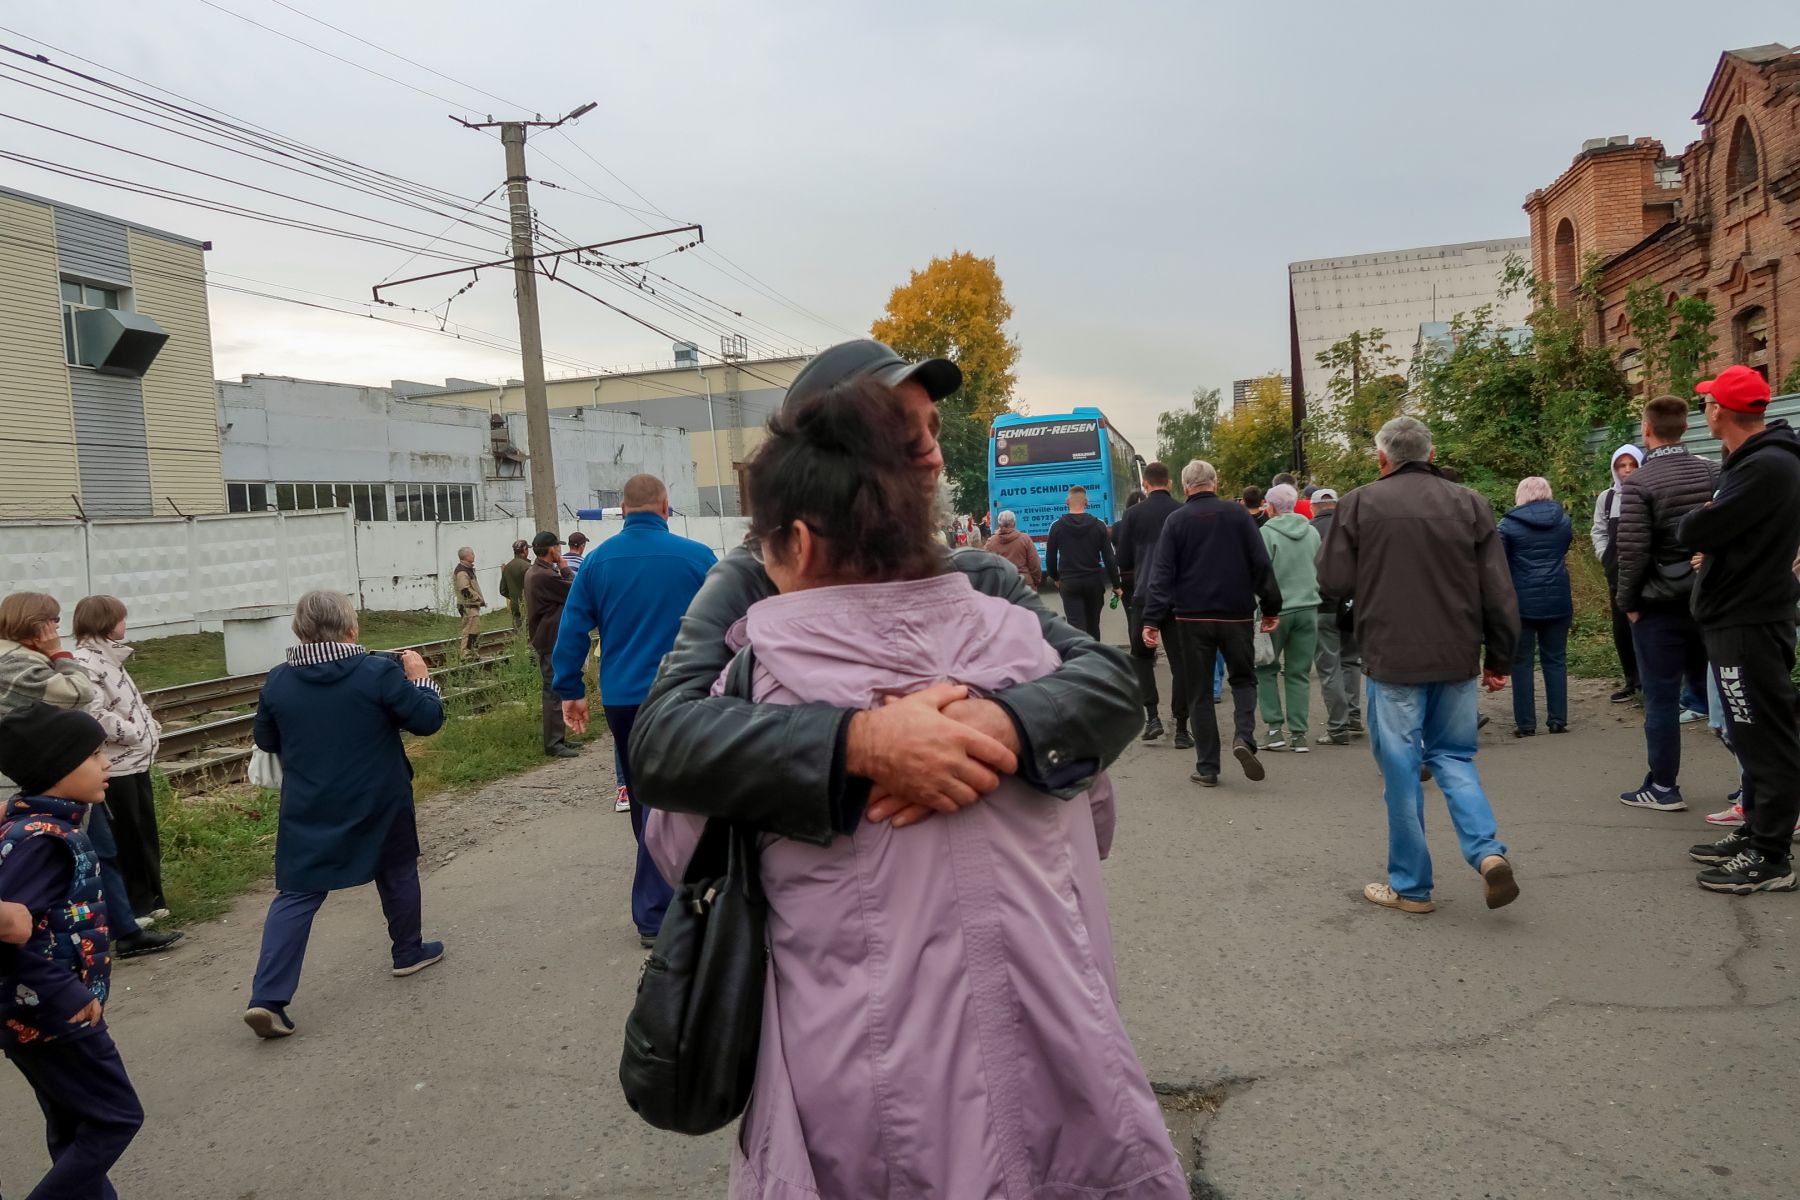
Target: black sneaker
(1153, 728)
(1723, 850)
(1204, 780)
(1356, 725)
(146, 941)
(1245, 753)
(1750, 872)
(1183, 739)
(1624, 695)
(563, 751)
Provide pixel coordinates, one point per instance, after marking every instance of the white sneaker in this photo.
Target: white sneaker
(1275, 741)
(1689, 716)
(1300, 746)
(623, 803)
(1727, 818)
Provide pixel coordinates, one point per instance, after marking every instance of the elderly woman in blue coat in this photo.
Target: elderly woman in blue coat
(335, 713)
(1536, 534)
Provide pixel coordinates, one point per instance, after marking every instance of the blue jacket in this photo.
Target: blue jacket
(1536, 537)
(634, 588)
(345, 782)
(67, 963)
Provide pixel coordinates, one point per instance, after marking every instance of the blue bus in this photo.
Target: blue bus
(1033, 461)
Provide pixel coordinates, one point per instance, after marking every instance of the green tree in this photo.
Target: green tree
(1255, 442)
(1790, 383)
(956, 308)
(1362, 394)
(1186, 434)
(1675, 341)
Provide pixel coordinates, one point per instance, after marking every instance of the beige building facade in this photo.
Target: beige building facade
(105, 367)
(721, 407)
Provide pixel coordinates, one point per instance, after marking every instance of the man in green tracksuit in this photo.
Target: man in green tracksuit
(1292, 543)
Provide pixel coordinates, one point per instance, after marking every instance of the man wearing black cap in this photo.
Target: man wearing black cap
(53, 989)
(546, 591)
(810, 771)
(1744, 598)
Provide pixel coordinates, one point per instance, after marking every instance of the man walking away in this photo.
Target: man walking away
(1293, 546)
(1422, 561)
(1744, 601)
(1656, 584)
(469, 600)
(1078, 557)
(1210, 571)
(1604, 533)
(642, 581)
(512, 583)
(1138, 532)
(1017, 549)
(1337, 659)
(546, 591)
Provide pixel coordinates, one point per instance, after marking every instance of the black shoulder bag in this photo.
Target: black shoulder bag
(694, 1031)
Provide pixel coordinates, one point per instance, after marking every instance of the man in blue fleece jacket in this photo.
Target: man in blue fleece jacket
(633, 589)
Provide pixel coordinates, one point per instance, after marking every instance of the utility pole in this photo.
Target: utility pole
(531, 338)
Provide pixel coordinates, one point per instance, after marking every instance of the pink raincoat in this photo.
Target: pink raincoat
(940, 1014)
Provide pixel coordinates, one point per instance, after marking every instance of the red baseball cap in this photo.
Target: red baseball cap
(1738, 388)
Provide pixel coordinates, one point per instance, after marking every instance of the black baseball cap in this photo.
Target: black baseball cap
(544, 541)
(868, 358)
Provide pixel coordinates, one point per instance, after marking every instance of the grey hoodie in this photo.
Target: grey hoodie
(1606, 504)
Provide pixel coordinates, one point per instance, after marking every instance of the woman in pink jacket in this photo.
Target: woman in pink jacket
(940, 1014)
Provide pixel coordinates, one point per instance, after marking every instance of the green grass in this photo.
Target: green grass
(190, 657)
(1591, 653)
(218, 845)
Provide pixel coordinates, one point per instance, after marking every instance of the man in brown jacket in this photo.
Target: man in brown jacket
(469, 600)
(1422, 561)
(1017, 549)
(546, 591)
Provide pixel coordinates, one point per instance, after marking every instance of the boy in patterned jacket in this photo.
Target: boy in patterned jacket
(53, 987)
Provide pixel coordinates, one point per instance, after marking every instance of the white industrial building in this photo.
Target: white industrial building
(295, 445)
(1396, 291)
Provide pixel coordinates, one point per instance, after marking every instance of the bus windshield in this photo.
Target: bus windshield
(1046, 444)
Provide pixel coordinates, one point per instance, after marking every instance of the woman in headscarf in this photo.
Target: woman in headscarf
(1604, 533)
(1536, 534)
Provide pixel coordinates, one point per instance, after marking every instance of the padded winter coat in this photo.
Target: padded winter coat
(1536, 537)
(1652, 557)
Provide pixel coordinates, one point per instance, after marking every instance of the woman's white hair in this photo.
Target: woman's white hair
(325, 617)
(1282, 498)
(1009, 519)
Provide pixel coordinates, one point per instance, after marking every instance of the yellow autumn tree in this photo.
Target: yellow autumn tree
(1255, 442)
(956, 308)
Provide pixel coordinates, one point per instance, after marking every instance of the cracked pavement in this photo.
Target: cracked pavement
(1616, 1032)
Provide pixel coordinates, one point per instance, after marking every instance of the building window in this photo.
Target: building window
(607, 499)
(1750, 331)
(1566, 274)
(1744, 170)
(79, 297)
(435, 502)
(1631, 365)
(247, 497)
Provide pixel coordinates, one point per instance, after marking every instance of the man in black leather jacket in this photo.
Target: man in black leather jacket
(809, 771)
(1655, 583)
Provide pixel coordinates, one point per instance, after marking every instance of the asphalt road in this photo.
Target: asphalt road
(1616, 1032)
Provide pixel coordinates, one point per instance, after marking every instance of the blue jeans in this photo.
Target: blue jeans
(1218, 678)
(1433, 723)
(1670, 652)
(1550, 641)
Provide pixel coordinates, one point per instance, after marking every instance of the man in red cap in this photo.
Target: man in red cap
(1744, 600)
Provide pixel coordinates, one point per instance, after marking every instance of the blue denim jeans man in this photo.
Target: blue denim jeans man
(1433, 723)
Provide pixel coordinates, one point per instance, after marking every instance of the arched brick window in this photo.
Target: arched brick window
(1743, 170)
(1631, 365)
(1750, 339)
(1567, 275)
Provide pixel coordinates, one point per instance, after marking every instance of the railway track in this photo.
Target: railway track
(207, 725)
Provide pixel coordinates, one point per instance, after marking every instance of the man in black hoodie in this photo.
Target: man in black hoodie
(1135, 539)
(1744, 598)
(1078, 556)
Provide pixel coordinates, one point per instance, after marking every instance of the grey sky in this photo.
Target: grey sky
(1142, 172)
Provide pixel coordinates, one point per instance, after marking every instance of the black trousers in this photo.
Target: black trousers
(131, 803)
(1754, 664)
(1201, 642)
(1623, 646)
(555, 732)
(91, 1111)
(1143, 661)
(1082, 602)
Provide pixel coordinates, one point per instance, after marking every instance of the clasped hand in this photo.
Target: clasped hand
(936, 750)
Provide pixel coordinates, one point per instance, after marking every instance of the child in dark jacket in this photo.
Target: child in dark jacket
(53, 987)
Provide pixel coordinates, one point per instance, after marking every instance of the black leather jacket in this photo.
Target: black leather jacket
(780, 767)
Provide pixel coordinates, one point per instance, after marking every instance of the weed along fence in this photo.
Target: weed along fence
(182, 575)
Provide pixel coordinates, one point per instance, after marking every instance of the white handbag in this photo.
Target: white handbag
(265, 769)
(1265, 645)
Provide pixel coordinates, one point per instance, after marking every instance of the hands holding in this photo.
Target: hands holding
(47, 641)
(933, 751)
(414, 666)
